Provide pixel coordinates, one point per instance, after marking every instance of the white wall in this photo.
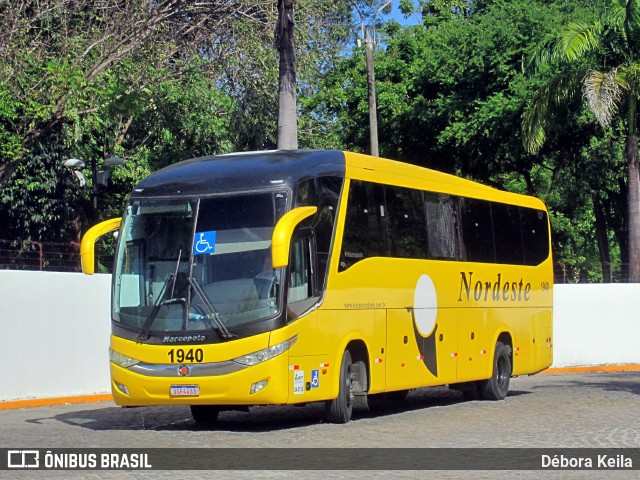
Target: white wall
(54, 331)
(54, 334)
(596, 324)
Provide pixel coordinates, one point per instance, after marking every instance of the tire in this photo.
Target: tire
(497, 387)
(339, 409)
(205, 414)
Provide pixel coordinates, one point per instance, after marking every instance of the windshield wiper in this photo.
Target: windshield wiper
(212, 319)
(213, 314)
(160, 302)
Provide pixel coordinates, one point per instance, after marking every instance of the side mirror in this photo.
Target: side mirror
(87, 246)
(282, 233)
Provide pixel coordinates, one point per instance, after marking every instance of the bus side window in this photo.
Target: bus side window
(477, 230)
(441, 212)
(407, 223)
(507, 234)
(324, 193)
(365, 226)
(300, 273)
(302, 283)
(535, 235)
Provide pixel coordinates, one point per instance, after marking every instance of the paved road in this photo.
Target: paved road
(600, 410)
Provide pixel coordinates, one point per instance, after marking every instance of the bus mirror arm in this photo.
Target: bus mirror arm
(283, 231)
(87, 246)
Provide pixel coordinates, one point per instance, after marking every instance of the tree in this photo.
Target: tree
(610, 85)
(172, 79)
(287, 111)
(452, 98)
(58, 57)
(322, 33)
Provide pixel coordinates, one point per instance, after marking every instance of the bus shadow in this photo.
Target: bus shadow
(628, 382)
(258, 419)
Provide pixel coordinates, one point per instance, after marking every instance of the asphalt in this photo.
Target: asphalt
(595, 411)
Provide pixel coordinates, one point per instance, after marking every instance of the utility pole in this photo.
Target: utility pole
(369, 34)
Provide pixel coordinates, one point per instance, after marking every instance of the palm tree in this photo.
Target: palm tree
(287, 121)
(610, 88)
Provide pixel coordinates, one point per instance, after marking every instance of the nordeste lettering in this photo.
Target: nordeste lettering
(498, 290)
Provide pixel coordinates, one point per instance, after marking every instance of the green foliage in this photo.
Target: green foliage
(10, 147)
(600, 57)
(152, 82)
(202, 80)
(406, 7)
(452, 97)
(42, 202)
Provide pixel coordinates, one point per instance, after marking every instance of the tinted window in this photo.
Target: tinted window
(535, 235)
(321, 192)
(407, 223)
(365, 232)
(507, 235)
(442, 227)
(477, 230)
(299, 271)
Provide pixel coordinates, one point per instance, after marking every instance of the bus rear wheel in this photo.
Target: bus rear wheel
(497, 387)
(339, 409)
(205, 414)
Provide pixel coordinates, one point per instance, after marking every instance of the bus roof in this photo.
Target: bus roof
(239, 172)
(249, 171)
(375, 169)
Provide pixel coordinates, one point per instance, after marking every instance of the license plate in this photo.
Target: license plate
(184, 391)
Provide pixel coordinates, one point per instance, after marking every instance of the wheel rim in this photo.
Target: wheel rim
(347, 385)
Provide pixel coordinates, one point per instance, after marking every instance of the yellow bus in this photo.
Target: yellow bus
(290, 277)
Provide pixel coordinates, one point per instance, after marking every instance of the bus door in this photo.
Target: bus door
(404, 366)
(475, 355)
(542, 355)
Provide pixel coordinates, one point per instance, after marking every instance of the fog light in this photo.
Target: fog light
(122, 388)
(256, 387)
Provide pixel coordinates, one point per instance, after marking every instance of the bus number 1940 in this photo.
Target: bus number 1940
(180, 355)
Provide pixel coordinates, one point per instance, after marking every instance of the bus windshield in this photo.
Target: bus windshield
(197, 264)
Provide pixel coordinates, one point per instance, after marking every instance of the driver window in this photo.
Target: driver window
(299, 271)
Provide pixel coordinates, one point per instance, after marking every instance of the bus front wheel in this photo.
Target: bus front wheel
(205, 414)
(497, 387)
(339, 409)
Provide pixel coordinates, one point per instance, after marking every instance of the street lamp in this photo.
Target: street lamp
(74, 165)
(99, 178)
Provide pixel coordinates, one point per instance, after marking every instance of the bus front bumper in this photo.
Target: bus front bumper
(261, 384)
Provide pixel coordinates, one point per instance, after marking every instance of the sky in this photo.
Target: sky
(414, 19)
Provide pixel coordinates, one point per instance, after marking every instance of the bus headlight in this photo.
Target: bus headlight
(266, 353)
(122, 360)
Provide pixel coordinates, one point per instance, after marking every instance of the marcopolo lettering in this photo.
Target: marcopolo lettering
(184, 338)
(499, 290)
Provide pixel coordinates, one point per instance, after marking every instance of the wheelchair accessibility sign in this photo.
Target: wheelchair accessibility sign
(204, 243)
(315, 378)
